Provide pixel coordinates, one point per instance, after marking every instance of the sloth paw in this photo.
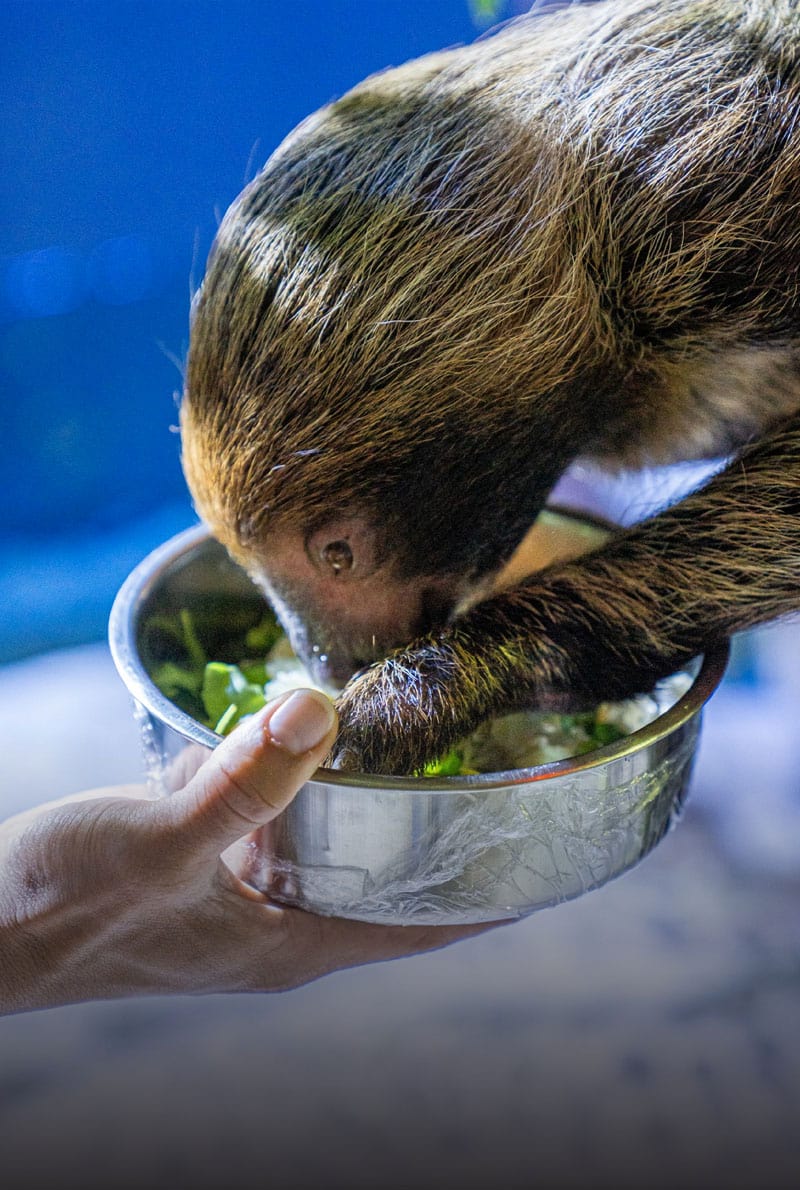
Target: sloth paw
(401, 714)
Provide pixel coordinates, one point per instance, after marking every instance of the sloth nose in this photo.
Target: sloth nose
(336, 666)
(436, 610)
(332, 668)
(338, 659)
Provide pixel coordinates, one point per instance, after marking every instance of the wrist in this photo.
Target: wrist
(33, 951)
(21, 978)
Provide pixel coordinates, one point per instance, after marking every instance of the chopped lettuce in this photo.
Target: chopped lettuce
(447, 766)
(227, 695)
(220, 694)
(216, 693)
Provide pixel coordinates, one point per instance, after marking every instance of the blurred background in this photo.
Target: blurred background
(128, 128)
(645, 1034)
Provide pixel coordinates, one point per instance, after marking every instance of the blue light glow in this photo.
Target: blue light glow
(49, 281)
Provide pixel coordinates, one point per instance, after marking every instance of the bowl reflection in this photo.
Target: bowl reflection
(416, 850)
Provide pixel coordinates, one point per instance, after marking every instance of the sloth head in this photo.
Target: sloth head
(375, 400)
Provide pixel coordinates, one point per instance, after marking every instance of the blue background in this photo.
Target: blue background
(638, 1036)
(127, 129)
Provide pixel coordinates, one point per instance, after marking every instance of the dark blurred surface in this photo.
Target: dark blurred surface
(645, 1035)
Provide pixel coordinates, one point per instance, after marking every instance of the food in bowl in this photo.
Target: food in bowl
(219, 694)
(440, 850)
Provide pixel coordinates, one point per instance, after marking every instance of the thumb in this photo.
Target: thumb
(254, 773)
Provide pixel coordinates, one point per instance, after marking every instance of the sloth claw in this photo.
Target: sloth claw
(390, 726)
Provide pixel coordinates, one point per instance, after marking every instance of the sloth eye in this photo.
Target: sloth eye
(343, 547)
(338, 555)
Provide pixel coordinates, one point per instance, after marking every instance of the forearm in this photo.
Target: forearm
(22, 975)
(605, 626)
(17, 962)
(22, 985)
(43, 955)
(724, 559)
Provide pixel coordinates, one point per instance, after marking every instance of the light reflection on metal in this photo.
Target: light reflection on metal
(423, 850)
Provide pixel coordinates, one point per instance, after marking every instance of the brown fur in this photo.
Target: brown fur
(580, 236)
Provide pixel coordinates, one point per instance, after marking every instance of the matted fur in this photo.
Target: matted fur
(579, 236)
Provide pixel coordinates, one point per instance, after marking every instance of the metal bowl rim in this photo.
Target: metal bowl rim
(147, 574)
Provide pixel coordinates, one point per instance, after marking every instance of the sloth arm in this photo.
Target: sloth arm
(607, 625)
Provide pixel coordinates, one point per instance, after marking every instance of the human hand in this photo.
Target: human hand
(112, 894)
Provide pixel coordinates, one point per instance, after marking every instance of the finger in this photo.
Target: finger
(183, 767)
(254, 773)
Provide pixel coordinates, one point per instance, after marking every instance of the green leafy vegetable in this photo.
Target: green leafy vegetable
(256, 672)
(219, 694)
(215, 693)
(173, 680)
(264, 636)
(227, 695)
(605, 733)
(197, 655)
(447, 766)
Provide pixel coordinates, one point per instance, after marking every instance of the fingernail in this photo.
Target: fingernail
(302, 721)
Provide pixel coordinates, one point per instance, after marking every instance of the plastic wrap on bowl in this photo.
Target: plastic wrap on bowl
(424, 851)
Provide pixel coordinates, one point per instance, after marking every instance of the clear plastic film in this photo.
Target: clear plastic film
(450, 851)
(446, 850)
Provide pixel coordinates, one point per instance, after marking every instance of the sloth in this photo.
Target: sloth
(578, 238)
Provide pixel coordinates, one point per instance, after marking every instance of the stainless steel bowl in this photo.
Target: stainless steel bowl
(425, 850)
